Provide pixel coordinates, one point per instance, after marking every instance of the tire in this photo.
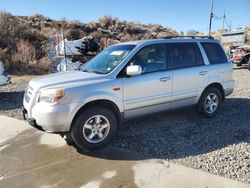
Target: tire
(206, 106)
(94, 128)
(248, 64)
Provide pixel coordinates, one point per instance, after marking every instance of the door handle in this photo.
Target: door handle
(203, 72)
(164, 79)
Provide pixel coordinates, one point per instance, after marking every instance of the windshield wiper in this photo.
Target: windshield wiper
(93, 71)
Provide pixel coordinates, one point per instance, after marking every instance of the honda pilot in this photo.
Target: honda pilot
(130, 80)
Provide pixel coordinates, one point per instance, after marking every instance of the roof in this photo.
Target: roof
(171, 39)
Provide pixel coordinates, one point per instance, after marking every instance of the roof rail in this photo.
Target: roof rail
(192, 37)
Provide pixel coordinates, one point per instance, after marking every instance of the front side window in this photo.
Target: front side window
(151, 58)
(215, 53)
(183, 55)
(108, 59)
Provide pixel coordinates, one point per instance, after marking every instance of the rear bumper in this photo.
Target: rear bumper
(228, 87)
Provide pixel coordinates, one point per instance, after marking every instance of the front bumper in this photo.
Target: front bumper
(56, 118)
(31, 121)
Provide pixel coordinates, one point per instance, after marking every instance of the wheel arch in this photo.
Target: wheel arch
(218, 86)
(101, 103)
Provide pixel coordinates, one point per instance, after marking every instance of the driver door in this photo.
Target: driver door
(152, 90)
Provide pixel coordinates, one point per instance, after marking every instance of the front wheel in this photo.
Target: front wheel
(94, 128)
(210, 102)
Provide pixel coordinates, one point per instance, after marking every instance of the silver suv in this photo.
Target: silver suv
(129, 80)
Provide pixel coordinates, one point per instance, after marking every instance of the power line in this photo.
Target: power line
(213, 16)
(228, 25)
(218, 17)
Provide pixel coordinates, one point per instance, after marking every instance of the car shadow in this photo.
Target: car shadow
(11, 100)
(179, 134)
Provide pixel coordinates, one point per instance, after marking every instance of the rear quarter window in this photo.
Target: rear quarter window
(215, 53)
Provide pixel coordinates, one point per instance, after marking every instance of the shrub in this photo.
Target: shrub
(5, 57)
(192, 32)
(107, 21)
(136, 29)
(98, 35)
(73, 34)
(24, 56)
(9, 30)
(125, 38)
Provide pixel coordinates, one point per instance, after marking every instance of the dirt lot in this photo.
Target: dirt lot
(11, 96)
(220, 145)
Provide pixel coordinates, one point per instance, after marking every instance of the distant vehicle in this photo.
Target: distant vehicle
(241, 56)
(129, 80)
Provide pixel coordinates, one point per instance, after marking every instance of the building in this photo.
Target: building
(237, 37)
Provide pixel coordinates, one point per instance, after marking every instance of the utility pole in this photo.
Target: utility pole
(64, 46)
(223, 20)
(210, 19)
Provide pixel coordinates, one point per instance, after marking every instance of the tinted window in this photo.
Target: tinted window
(214, 52)
(182, 55)
(151, 58)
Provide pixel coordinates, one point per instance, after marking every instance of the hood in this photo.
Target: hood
(65, 79)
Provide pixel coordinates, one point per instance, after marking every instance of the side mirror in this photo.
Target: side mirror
(133, 70)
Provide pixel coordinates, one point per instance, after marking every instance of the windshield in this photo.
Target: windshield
(108, 59)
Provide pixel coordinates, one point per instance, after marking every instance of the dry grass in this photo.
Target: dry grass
(25, 54)
(107, 21)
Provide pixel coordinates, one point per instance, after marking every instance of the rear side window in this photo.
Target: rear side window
(182, 55)
(215, 53)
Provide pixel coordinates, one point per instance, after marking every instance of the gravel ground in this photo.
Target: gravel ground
(220, 145)
(11, 96)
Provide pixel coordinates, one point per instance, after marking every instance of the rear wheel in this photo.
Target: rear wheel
(210, 102)
(94, 128)
(248, 64)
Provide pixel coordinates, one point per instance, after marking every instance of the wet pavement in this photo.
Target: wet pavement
(31, 158)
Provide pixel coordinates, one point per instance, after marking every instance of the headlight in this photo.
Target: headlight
(51, 96)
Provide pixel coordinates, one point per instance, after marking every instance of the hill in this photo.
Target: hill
(24, 39)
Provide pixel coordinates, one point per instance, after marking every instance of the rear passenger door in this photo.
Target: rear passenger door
(220, 68)
(190, 74)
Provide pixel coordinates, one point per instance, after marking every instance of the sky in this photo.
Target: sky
(180, 15)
